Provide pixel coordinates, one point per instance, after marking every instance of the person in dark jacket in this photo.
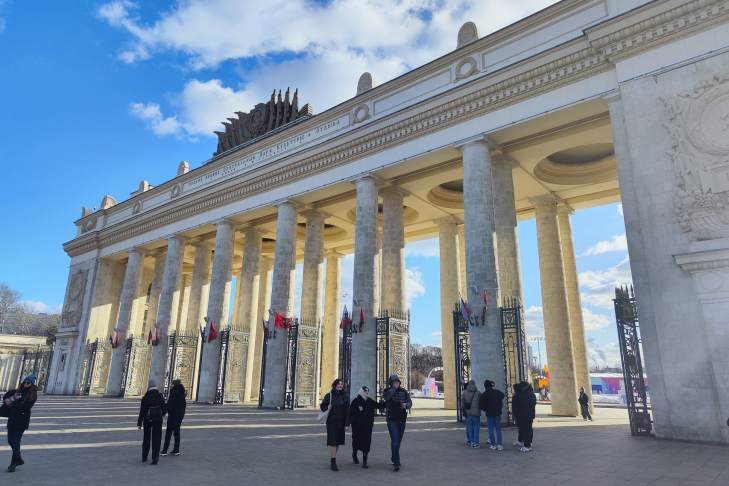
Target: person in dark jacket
(396, 402)
(337, 402)
(362, 419)
(470, 399)
(176, 405)
(514, 402)
(492, 401)
(584, 401)
(151, 414)
(17, 404)
(524, 407)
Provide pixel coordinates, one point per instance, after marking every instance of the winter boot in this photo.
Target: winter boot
(333, 465)
(364, 460)
(354, 457)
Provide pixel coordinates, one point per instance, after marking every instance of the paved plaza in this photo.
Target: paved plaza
(95, 441)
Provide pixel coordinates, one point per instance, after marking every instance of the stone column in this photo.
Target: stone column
(307, 375)
(170, 285)
(330, 331)
(487, 360)
(377, 292)
(507, 243)
(557, 332)
(219, 280)
(282, 302)
(132, 277)
(256, 354)
(179, 305)
(393, 251)
(447, 243)
(247, 297)
(199, 288)
(154, 292)
(462, 261)
(574, 305)
(364, 343)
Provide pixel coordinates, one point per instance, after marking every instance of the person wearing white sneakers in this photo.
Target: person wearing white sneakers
(492, 403)
(470, 400)
(524, 406)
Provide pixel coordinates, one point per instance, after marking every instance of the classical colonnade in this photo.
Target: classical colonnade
(479, 260)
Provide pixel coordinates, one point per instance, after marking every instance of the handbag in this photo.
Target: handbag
(322, 416)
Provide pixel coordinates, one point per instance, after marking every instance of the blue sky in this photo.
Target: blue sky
(97, 96)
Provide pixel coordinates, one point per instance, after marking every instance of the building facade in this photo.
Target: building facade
(583, 103)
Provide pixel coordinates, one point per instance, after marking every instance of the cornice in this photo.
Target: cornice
(586, 59)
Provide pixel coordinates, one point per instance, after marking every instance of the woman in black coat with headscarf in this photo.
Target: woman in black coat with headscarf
(337, 402)
(175, 413)
(16, 407)
(362, 418)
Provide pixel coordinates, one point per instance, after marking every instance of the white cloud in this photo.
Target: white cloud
(151, 114)
(329, 45)
(423, 248)
(616, 243)
(603, 355)
(598, 286)
(620, 209)
(38, 307)
(593, 320)
(414, 285)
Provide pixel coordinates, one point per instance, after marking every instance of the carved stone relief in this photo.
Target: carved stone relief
(73, 305)
(698, 125)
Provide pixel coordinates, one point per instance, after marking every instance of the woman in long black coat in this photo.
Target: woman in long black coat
(362, 418)
(337, 402)
(175, 413)
(16, 406)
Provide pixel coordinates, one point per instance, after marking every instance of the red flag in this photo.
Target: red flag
(361, 319)
(115, 339)
(346, 321)
(279, 321)
(213, 333)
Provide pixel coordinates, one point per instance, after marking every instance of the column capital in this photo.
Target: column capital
(612, 96)
(481, 139)
(498, 156)
(137, 250)
(392, 189)
(310, 213)
(545, 202)
(224, 222)
(200, 242)
(286, 202)
(367, 176)
(182, 239)
(565, 209)
(333, 253)
(446, 220)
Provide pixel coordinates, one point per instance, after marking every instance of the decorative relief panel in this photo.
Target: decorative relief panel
(308, 365)
(74, 302)
(237, 360)
(698, 125)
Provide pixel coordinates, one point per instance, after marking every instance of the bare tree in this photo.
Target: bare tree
(9, 301)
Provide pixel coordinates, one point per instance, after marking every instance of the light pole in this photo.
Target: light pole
(539, 340)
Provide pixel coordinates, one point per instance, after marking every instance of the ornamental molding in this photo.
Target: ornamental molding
(698, 127)
(588, 57)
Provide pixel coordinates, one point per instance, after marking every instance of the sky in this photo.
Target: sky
(96, 96)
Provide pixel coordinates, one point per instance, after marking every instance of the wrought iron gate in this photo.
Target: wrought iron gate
(222, 366)
(626, 316)
(345, 358)
(514, 348)
(87, 367)
(463, 358)
(393, 349)
(291, 352)
(128, 344)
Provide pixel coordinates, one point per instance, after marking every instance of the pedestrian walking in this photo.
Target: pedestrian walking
(524, 406)
(176, 405)
(151, 414)
(470, 400)
(519, 442)
(396, 402)
(16, 407)
(336, 404)
(584, 405)
(492, 402)
(362, 419)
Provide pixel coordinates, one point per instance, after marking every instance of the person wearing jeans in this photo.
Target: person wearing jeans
(491, 403)
(396, 401)
(470, 399)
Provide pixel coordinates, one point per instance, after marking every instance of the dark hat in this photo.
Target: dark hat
(31, 378)
(393, 378)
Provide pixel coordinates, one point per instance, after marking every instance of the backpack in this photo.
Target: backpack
(154, 413)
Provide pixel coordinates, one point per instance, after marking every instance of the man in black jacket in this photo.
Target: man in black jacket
(396, 401)
(176, 405)
(491, 403)
(151, 414)
(17, 404)
(524, 406)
